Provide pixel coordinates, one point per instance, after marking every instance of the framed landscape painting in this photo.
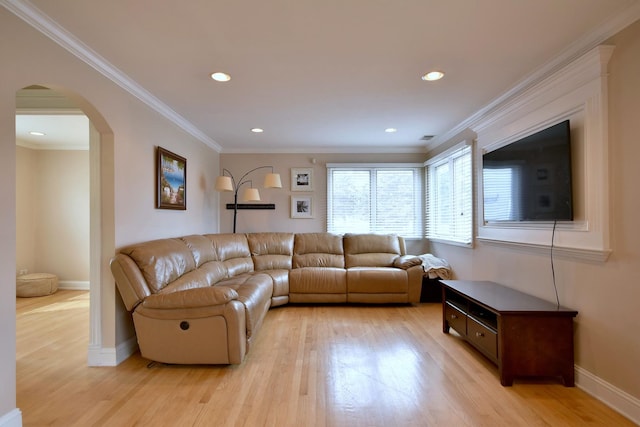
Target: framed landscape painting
(171, 192)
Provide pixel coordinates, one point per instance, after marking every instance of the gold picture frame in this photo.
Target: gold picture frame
(171, 180)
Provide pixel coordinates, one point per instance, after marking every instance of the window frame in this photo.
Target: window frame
(448, 156)
(418, 170)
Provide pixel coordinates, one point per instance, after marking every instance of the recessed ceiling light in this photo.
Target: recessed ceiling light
(36, 133)
(433, 75)
(391, 130)
(257, 130)
(221, 77)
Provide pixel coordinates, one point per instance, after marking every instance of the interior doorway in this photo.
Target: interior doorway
(101, 236)
(52, 188)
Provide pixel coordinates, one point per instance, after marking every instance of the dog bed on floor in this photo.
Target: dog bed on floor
(36, 285)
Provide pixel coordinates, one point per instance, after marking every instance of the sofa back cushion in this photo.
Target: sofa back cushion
(201, 248)
(233, 251)
(318, 250)
(271, 251)
(161, 261)
(371, 250)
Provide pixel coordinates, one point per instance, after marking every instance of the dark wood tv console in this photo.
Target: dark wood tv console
(524, 335)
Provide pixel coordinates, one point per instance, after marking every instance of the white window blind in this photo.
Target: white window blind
(449, 194)
(375, 199)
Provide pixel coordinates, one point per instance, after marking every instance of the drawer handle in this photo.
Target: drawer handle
(479, 334)
(454, 317)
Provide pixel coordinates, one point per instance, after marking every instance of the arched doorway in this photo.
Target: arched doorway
(52, 188)
(101, 221)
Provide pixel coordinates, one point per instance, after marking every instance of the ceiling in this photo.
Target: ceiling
(326, 75)
(58, 122)
(61, 131)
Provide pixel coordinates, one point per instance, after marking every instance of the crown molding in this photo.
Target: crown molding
(413, 149)
(47, 26)
(572, 52)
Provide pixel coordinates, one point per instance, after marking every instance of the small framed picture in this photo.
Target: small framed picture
(171, 185)
(301, 207)
(301, 179)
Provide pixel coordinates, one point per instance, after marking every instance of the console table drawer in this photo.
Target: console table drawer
(456, 319)
(483, 338)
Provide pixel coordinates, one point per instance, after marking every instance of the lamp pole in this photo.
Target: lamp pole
(271, 181)
(235, 197)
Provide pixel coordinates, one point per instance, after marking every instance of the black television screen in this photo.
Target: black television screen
(530, 179)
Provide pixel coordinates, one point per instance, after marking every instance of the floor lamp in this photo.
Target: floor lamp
(226, 182)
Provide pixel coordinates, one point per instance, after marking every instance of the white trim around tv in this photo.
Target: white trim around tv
(577, 92)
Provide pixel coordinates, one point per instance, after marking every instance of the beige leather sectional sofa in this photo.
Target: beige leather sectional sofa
(203, 298)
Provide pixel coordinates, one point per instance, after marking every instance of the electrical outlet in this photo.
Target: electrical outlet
(24, 271)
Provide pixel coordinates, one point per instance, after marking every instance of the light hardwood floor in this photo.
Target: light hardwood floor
(310, 366)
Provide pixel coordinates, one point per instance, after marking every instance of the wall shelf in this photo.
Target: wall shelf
(269, 206)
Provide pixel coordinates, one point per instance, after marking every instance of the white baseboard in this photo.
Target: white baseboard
(73, 285)
(12, 418)
(612, 396)
(98, 356)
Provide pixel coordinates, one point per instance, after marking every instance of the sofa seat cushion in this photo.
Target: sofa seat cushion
(280, 279)
(380, 280)
(254, 291)
(317, 280)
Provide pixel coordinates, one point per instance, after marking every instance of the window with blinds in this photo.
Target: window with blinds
(375, 199)
(449, 195)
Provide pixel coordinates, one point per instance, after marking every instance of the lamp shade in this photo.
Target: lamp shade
(251, 195)
(272, 180)
(223, 183)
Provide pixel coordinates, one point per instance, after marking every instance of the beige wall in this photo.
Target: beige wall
(52, 212)
(280, 218)
(605, 294)
(26, 209)
(130, 130)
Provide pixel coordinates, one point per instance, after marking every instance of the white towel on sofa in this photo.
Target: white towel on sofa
(434, 267)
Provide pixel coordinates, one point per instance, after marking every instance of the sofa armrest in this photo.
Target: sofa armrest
(191, 298)
(129, 280)
(407, 261)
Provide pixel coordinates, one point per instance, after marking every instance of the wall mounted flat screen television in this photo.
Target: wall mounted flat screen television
(530, 179)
